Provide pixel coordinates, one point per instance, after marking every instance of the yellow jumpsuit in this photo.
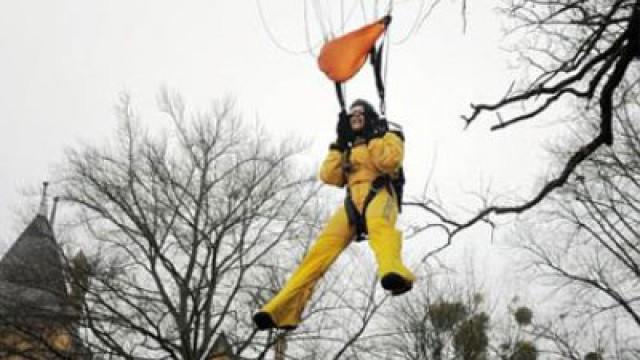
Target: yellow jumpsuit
(380, 156)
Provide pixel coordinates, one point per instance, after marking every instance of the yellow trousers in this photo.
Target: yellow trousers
(386, 242)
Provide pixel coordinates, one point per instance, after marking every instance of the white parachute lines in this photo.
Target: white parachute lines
(319, 21)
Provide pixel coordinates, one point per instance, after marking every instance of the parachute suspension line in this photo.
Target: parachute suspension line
(327, 9)
(318, 11)
(307, 26)
(364, 11)
(342, 23)
(349, 14)
(414, 26)
(464, 16)
(427, 14)
(272, 36)
(390, 7)
(307, 30)
(418, 22)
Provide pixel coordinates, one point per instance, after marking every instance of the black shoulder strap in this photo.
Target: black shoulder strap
(340, 94)
(345, 165)
(376, 62)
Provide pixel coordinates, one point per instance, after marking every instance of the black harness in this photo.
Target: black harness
(357, 219)
(393, 185)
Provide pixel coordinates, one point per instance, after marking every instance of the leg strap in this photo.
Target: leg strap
(355, 217)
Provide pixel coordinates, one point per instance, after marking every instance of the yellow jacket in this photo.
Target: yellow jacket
(380, 156)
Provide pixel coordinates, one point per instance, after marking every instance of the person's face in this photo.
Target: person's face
(356, 117)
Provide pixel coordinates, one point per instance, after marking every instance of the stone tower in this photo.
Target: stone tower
(38, 320)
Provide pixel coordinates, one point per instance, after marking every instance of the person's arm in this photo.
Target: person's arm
(331, 169)
(387, 151)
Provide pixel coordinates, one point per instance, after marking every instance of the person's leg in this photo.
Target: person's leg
(285, 309)
(386, 242)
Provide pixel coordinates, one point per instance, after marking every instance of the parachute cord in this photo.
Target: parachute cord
(271, 35)
(418, 22)
(307, 31)
(364, 11)
(427, 14)
(323, 28)
(332, 30)
(348, 16)
(342, 16)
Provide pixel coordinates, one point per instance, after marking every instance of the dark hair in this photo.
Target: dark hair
(369, 111)
(371, 116)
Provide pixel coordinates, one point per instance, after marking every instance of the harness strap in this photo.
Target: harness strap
(375, 59)
(376, 63)
(345, 163)
(355, 217)
(340, 95)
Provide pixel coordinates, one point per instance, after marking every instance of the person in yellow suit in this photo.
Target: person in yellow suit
(363, 158)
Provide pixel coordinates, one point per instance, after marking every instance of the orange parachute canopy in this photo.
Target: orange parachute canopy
(341, 58)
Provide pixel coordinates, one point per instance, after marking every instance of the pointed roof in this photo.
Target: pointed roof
(34, 260)
(221, 349)
(221, 346)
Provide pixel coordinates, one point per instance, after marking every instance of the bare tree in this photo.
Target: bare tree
(577, 50)
(444, 320)
(188, 229)
(453, 318)
(193, 230)
(587, 236)
(186, 234)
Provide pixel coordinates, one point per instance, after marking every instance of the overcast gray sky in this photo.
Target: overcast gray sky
(64, 63)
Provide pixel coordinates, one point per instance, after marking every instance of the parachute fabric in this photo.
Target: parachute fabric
(341, 58)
